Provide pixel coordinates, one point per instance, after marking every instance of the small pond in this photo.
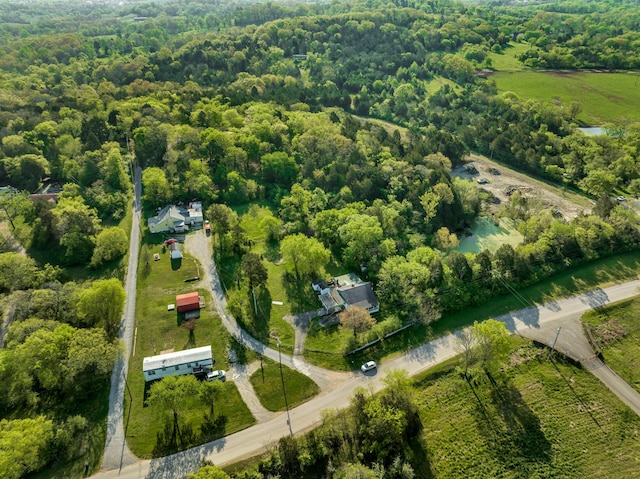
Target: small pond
(485, 234)
(592, 130)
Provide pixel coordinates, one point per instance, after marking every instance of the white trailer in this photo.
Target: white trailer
(177, 363)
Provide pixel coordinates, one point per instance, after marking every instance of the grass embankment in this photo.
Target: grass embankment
(158, 330)
(616, 331)
(324, 345)
(541, 419)
(604, 97)
(267, 384)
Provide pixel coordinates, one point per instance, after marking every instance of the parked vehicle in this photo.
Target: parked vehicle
(217, 375)
(368, 366)
(207, 227)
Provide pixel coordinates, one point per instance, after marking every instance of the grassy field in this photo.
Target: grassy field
(541, 419)
(157, 330)
(324, 347)
(267, 383)
(604, 97)
(486, 235)
(617, 332)
(506, 61)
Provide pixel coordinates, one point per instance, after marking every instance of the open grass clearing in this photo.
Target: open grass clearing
(326, 349)
(507, 61)
(158, 330)
(267, 383)
(541, 419)
(616, 330)
(604, 97)
(487, 235)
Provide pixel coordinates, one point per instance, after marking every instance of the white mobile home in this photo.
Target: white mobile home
(177, 364)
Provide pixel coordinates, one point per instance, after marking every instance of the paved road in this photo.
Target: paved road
(255, 439)
(116, 452)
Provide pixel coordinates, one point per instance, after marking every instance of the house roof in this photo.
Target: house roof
(174, 359)
(360, 295)
(188, 298)
(170, 212)
(331, 299)
(347, 279)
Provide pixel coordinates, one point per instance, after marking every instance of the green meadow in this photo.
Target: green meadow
(604, 97)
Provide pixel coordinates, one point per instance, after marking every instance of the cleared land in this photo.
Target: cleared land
(541, 418)
(159, 330)
(617, 333)
(267, 384)
(503, 182)
(604, 97)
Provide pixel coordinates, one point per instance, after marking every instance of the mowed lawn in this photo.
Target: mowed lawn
(158, 330)
(267, 383)
(604, 97)
(616, 330)
(541, 418)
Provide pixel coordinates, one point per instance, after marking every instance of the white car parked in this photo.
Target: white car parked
(218, 374)
(368, 366)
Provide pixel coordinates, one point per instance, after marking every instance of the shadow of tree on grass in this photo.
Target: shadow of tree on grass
(511, 428)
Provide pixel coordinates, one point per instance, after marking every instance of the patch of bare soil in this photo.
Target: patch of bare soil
(503, 182)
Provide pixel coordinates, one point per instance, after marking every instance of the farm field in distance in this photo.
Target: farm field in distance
(604, 97)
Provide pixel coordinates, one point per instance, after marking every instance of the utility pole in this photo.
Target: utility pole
(553, 346)
(284, 391)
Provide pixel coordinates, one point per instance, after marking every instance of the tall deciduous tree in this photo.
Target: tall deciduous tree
(307, 255)
(103, 304)
(111, 243)
(155, 186)
(23, 444)
(170, 396)
(356, 319)
(223, 220)
(253, 269)
(210, 393)
(492, 342)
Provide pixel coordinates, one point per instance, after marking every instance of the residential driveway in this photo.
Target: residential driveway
(198, 244)
(541, 321)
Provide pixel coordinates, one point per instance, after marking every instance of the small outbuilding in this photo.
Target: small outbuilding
(174, 251)
(178, 363)
(187, 302)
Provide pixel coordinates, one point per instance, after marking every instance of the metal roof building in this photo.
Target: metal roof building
(177, 363)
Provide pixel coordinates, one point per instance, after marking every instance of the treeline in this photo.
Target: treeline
(377, 436)
(55, 364)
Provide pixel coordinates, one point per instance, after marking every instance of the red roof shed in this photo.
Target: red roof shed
(187, 302)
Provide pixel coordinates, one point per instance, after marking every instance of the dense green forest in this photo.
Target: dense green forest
(273, 103)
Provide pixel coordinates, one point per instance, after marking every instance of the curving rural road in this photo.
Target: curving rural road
(540, 323)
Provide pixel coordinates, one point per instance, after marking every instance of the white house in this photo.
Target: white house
(178, 363)
(169, 218)
(176, 219)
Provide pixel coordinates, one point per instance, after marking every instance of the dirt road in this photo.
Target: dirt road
(502, 182)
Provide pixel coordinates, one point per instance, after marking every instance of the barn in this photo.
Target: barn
(177, 363)
(187, 302)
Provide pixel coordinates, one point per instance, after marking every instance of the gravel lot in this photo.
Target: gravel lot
(502, 182)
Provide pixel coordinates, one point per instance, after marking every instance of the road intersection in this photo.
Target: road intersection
(539, 322)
